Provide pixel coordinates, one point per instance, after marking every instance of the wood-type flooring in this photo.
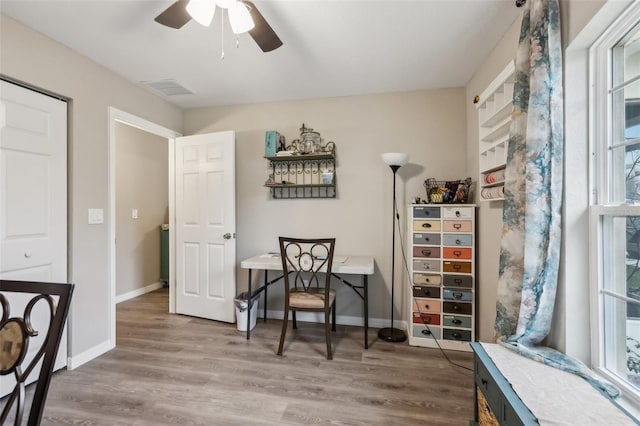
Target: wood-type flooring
(178, 370)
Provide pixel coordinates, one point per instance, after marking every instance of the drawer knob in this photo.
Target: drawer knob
(458, 242)
(456, 335)
(457, 295)
(484, 382)
(456, 321)
(426, 332)
(426, 320)
(426, 225)
(457, 225)
(457, 253)
(455, 307)
(458, 281)
(426, 252)
(457, 213)
(457, 267)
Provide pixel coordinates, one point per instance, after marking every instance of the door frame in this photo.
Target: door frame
(119, 116)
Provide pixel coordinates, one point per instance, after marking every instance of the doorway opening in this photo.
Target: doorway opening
(125, 125)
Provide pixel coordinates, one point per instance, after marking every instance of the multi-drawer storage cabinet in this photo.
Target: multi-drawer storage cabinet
(442, 274)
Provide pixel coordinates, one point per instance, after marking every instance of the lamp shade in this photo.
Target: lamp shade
(395, 158)
(239, 18)
(202, 11)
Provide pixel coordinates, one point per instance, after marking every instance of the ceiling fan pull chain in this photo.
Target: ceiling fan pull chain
(222, 32)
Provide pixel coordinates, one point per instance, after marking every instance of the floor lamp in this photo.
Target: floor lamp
(395, 161)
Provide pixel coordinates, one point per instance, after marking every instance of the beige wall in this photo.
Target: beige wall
(142, 183)
(30, 57)
(489, 213)
(429, 125)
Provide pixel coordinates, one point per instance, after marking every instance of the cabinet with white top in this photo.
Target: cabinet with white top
(441, 246)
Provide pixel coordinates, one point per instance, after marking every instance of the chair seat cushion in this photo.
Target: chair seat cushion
(314, 299)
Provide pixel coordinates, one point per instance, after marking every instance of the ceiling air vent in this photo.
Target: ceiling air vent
(167, 87)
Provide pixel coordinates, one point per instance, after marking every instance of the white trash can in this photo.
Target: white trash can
(242, 303)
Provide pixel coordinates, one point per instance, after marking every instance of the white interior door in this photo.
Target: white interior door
(205, 225)
(33, 200)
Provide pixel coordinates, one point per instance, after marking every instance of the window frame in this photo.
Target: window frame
(600, 179)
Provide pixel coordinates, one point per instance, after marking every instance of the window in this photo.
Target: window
(615, 209)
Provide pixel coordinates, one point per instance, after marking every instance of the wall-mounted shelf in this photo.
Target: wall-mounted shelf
(494, 119)
(302, 176)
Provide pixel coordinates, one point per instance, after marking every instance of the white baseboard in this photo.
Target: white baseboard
(340, 319)
(86, 356)
(138, 292)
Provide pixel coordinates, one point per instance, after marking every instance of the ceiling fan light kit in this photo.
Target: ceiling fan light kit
(240, 18)
(243, 17)
(202, 11)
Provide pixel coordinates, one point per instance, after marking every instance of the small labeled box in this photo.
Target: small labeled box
(271, 142)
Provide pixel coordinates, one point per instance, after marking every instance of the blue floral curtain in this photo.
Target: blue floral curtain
(531, 234)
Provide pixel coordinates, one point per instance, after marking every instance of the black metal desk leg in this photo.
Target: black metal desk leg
(265, 296)
(366, 311)
(249, 309)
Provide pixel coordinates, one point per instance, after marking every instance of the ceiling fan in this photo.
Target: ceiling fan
(180, 12)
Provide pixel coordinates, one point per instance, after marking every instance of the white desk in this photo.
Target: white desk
(342, 265)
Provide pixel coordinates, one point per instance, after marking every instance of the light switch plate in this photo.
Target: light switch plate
(134, 214)
(96, 216)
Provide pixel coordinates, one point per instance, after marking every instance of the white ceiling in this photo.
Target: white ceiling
(331, 48)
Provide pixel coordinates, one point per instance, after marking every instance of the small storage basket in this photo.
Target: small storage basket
(447, 191)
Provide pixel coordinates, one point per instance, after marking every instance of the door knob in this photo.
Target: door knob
(227, 236)
(27, 254)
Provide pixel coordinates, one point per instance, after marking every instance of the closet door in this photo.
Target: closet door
(33, 197)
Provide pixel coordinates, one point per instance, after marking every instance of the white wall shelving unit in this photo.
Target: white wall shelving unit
(494, 118)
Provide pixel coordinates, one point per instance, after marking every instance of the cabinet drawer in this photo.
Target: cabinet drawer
(456, 239)
(457, 308)
(456, 226)
(426, 225)
(455, 266)
(420, 330)
(454, 294)
(457, 212)
(456, 321)
(428, 239)
(457, 253)
(428, 252)
(426, 305)
(488, 387)
(429, 319)
(421, 279)
(426, 265)
(426, 212)
(456, 334)
(458, 281)
(424, 291)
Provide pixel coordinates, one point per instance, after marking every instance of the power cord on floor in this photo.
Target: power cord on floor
(411, 283)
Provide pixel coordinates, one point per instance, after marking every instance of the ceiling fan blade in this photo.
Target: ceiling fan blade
(262, 33)
(175, 16)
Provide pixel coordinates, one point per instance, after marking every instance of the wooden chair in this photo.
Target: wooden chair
(17, 332)
(306, 266)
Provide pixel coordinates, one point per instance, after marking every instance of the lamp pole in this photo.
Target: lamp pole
(391, 334)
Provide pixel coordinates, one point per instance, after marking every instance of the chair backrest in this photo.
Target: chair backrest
(17, 332)
(306, 263)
